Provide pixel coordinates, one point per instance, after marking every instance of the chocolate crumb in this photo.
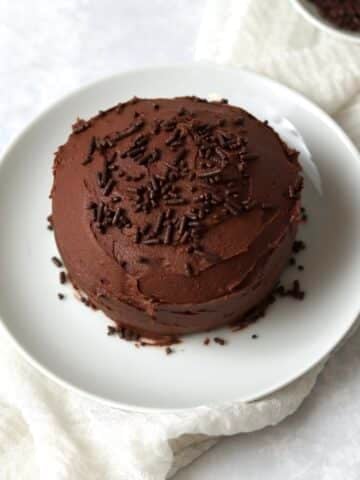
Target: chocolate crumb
(220, 341)
(254, 336)
(294, 292)
(61, 296)
(169, 350)
(206, 341)
(298, 246)
(111, 330)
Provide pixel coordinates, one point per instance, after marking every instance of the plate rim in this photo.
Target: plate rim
(45, 371)
(325, 26)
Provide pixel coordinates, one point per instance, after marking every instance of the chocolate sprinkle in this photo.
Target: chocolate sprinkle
(184, 237)
(294, 292)
(209, 174)
(175, 201)
(159, 223)
(57, 262)
(117, 216)
(151, 241)
(100, 212)
(137, 235)
(189, 269)
(168, 234)
(108, 187)
(62, 277)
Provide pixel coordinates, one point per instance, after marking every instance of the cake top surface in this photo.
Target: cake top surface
(170, 192)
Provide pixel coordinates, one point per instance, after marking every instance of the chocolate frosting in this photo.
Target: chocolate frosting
(175, 215)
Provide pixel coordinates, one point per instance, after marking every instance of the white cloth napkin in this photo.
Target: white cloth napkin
(47, 432)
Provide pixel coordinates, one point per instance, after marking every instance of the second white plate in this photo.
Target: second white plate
(312, 14)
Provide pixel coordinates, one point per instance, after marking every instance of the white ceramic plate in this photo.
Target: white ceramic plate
(312, 14)
(68, 342)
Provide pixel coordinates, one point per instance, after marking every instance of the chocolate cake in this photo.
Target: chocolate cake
(175, 215)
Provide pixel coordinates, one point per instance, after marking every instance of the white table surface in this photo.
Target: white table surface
(48, 48)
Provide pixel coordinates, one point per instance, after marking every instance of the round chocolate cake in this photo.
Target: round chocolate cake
(175, 215)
